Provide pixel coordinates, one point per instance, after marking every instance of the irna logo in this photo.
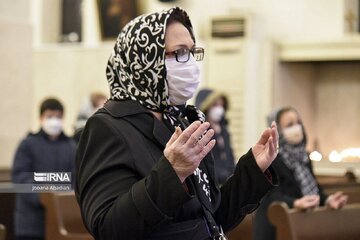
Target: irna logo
(52, 177)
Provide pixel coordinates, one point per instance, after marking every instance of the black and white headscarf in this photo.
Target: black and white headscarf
(296, 158)
(136, 68)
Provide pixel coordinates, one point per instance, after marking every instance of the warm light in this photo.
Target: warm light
(315, 156)
(346, 155)
(350, 153)
(334, 156)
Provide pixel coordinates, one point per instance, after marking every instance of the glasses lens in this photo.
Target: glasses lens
(182, 55)
(198, 53)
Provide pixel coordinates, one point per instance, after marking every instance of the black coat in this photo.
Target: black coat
(127, 189)
(288, 191)
(37, 153)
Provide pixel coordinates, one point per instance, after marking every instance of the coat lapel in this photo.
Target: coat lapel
(161, 133)
(141, 118)
(151, 127)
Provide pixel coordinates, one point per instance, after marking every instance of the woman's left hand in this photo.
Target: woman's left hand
(336, 200)
(266, 149)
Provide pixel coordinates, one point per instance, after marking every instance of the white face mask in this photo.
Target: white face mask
(52, 126)
(293, 134)
(216, 113)
(182, 79)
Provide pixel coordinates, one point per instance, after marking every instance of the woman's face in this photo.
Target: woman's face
(289, 119)
(177, 36)
(216, 111)
(291, 127)
(182, 76)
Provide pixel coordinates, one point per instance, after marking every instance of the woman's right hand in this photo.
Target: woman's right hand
(306, 202)
(186, 149)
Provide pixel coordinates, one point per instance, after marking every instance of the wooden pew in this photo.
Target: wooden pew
(2, 232)
(7, 208)
(319, 224)
(244, 230)
(348, 184)
(63, 217)
(329, 180)
(7, 205)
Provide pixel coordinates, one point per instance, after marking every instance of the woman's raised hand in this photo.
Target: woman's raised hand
(266, 149)
(187, 148)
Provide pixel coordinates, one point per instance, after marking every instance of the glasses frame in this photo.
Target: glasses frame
(197, 52)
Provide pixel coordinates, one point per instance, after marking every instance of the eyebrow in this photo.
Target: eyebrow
(183, 46)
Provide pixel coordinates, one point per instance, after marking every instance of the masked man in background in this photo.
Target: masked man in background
(49, 150)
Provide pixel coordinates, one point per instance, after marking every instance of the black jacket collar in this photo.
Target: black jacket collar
(140, 117)
(120, 109)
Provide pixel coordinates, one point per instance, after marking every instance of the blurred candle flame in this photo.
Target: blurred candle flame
(315, 156)
(334, 156)
(347, 154)
(350, 152)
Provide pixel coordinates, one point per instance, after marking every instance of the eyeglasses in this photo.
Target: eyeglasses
(182, 55)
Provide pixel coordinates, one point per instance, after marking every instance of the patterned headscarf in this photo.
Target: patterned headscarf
(296, 158)
(136, 68)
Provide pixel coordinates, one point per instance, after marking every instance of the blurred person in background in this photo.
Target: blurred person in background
(214, 105)
(92, 103)
(298, 186)
(48, 150)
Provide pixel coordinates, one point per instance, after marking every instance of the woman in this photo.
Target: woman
(142, 171)
(214, 105)
(298, 186)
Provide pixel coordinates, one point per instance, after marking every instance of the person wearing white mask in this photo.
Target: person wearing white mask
(298, 186)
(49, 150)
(214, 105)
(144, 167)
